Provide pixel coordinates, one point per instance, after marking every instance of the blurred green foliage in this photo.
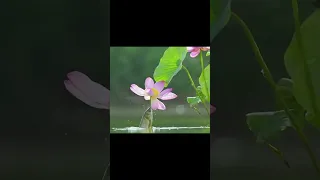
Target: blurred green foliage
(132, 65)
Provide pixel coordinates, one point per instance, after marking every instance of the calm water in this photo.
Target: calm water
(165, 122)
(200, 129)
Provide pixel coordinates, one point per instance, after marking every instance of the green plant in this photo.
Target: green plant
(300, 95)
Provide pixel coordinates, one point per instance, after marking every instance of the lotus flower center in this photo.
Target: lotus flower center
(155, 93)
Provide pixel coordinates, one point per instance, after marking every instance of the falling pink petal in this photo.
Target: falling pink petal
(77, 93)
(165, 92)
(168, 96)
(212, 109)
(159, 85)
(88, 91)
(149, 83)
(156, 104)
(137, 90)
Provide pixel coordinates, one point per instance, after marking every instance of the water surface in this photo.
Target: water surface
(128, 120)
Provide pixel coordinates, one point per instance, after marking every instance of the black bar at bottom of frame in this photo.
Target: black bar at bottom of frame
(161, 156)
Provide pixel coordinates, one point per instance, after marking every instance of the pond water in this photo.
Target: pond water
(164, 122)
(199, 129)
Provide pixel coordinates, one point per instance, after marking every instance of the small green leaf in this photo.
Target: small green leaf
(310, 31)
(285, 82)
(204, 81)
(170, 64)
(193, 100)
(208, 53)
(200, 94)
(219, 16)
(266, 125)
(285, 90)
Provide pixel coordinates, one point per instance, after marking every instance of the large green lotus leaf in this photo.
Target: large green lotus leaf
(204, 81)
(219, 16)
(310, 30)
(170, 64)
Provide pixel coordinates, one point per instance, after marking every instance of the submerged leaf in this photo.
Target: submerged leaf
(147, 119)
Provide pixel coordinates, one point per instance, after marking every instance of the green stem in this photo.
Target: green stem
(269, 78)
(279, 153)
(256, 51)
(309, 150)
(105, 171)
(298, 35)
(151, 115)
(190, 78)
(195, 88)
(204, 77)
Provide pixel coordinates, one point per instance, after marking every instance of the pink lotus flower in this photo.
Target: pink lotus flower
(195, 51)
(88, 91)
(212, 109)
(154, 91)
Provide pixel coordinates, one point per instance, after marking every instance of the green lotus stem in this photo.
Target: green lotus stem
(298, 35)
(256, 50)
(269, 78)
(195, 88)
(105, 171)
(190, 78)
(279, 153)
(151, 115)
(204, 77)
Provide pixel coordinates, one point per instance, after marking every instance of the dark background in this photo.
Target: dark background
(239, 88)
(47, 133)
